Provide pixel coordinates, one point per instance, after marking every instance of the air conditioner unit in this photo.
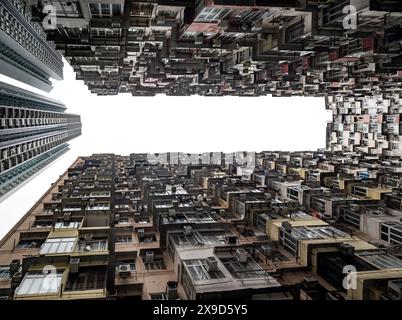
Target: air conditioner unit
(267, 249)
(17, 277)
(287, 226)
(310, 283)
(88, 236)
(74, 265)
(124, 270)
(149, 256)
(171, 290)
(67, 216)
(395, 289)
(141, 233)
(199, 39)
(217, 43)
(354, 207)
(14, 266)
(231, 239)
(241, 255)
(187, 230)
(172, 213)
(160, 19)
(346, 249)
(212, 264)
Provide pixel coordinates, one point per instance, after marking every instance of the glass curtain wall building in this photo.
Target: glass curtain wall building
(25, 54)
(34, 130)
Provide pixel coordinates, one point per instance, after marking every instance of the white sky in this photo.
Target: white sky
(125, 124)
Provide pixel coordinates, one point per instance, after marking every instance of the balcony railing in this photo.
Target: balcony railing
(92, 246)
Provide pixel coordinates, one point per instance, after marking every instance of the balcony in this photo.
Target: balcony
(38, 285)
(297, 28)
(56, 246)
(259, 3)
(92, 246)
(98, 207)
(388, 5)
(333, 13)
(95, 221)
(88, 282)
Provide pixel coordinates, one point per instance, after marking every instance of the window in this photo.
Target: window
(360, 191)
(88, 278)
(397, 232)
(116, 9)
(90, 68)
(4, 272)
(94, 9)
(187, 283)
(243, 270)
(351, 217)
(109, 48)
(158, 296)
(293, 194)
(240, 208)
(123, 221)
(100, 194)
(287, 241)
(67, 225)
(384, 228)
(157, 264)
(42, 224)
(75, 208)
(95, 245)
(104, 9)
(124, 239)
(395, 239)
(197, 268)
(40, 283)
(260, 220)
(98, 206)
(58, 245)
(129, 263)
(211, 14)
(147, 238)
(24, 244)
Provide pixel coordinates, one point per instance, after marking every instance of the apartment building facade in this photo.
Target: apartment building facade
(348, 51)
(123, 227)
